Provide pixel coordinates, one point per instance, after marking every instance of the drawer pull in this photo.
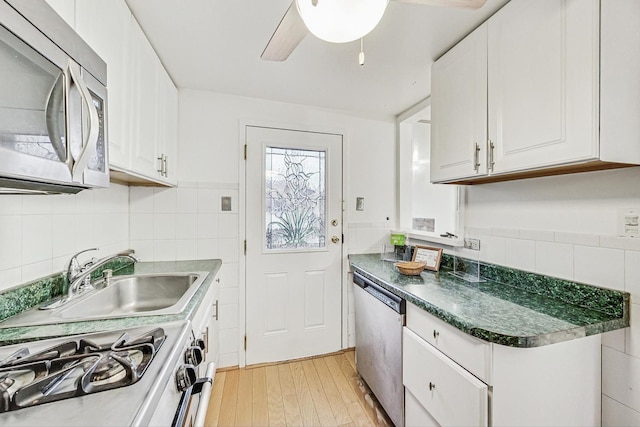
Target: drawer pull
(436, 334)
(431, 386)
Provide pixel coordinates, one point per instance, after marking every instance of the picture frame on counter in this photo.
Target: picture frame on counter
(430, 256)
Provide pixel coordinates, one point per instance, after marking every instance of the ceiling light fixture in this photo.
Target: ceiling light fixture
(341, 21)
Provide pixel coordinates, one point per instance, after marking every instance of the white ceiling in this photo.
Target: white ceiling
(215, 45)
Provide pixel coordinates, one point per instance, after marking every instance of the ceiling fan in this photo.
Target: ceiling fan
(324, 17)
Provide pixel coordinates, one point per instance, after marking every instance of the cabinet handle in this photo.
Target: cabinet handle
(218, 280)
(216, 305)
(491, 155)
(431, 386)
(161, 160)
(436, 334)
(476, 157)
(164, 166)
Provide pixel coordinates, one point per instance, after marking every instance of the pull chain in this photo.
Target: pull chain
(361, 56)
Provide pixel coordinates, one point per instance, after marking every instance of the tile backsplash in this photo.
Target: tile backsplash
(38, 234)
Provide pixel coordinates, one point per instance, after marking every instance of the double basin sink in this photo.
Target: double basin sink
(124, 296)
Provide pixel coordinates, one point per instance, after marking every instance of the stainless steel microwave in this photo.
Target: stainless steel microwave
(53, 104)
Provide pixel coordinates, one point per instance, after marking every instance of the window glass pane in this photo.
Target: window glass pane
(294, 198)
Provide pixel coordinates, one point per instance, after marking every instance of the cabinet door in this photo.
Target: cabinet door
(106, 26)
(459, 110)
(543, 84)
(168, 126)
(144, 90)
(451, 395)
(66, 9)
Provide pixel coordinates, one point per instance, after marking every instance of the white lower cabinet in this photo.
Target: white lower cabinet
(450, 394)
(454, 379)
(206, 323)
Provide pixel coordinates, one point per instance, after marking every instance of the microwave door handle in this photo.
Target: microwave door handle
(91, 138)
(55, 101)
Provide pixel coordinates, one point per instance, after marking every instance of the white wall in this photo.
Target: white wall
(38, 234)
(186, 222)
(566, 227)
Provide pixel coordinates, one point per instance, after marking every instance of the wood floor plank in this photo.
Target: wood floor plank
(331, 391)
(260, 410)
(351, 357)
(357, 386)
(229, 399)
(347, 393)
(289, 397)
(244, 407)
(325, 414)
(274, 397)
(305, 400)
(213, 411)
(358, 415)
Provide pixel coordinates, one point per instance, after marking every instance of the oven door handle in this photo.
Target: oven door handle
(205, 395)
(203, 387)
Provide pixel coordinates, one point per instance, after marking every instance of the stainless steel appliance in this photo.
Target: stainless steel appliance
(135, 377)
(53, 112)
(379, 318)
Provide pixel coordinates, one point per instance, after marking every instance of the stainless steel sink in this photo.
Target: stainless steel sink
(125, 296)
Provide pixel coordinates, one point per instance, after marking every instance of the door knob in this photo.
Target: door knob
(334, 222)
(335, 239)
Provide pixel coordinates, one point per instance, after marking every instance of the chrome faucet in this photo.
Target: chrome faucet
(79, 277)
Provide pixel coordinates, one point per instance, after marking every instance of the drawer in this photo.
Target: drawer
(451, 395)
(414, 413)
(469, 352)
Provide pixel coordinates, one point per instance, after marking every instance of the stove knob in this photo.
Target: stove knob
(194, 355)
(186, 376)
(199, 343)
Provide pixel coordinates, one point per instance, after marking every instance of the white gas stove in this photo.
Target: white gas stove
(135, 377)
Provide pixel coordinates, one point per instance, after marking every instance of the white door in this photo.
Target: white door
(294, 244)
(459, 110)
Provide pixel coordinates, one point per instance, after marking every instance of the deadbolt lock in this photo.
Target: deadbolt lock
(334, 222)
(335, 239)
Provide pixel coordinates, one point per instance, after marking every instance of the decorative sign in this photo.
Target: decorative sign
(428, 255)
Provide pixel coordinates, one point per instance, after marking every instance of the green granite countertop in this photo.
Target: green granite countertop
(512, 308)
(37, 332)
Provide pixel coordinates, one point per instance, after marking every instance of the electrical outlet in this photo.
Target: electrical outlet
(629, 222)
(473, 244)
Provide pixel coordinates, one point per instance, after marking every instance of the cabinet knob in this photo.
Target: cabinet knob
(436, 334)
(431, 386)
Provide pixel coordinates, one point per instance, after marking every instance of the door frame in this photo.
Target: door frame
(242, 264)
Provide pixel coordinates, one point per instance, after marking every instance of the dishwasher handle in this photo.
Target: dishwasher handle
(391, 300)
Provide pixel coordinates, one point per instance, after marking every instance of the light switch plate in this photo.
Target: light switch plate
(225, 203)
(359, 203)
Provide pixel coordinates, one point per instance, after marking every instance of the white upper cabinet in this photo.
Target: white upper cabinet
(543, 84)
(142, 99)
(66, 9)
(459, 110)
(106, 26)
(557, 74)
(144, 134)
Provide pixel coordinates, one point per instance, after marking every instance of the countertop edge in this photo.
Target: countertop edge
(494, 337)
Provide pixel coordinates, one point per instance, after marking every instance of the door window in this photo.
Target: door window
(295, 199)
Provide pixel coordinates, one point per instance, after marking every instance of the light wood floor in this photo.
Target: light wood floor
(324, 391)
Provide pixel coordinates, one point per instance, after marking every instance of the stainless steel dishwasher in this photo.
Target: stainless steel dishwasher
(379, 321)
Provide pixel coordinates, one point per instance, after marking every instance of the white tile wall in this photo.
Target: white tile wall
(187, 223)
(554, 259)
(38, 234)
(599, 266)
(620, 376)
(615, 414)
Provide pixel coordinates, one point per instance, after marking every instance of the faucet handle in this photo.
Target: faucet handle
(73, 266)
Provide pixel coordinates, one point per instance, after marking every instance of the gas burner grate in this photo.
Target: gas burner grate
(75, 368)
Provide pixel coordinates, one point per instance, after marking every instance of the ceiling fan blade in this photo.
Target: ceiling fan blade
(287, 36)
(468, 4)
